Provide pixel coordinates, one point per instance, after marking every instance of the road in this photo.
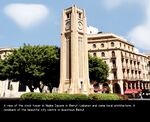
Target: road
(143, 99)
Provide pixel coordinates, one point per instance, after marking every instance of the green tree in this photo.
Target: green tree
(34, 66)
(98, 69)
(2, 75)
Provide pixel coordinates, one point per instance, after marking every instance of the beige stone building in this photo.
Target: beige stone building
(4, 52)
(129, 69)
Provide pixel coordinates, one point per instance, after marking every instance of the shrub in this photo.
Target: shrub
(34, 96)
(123, 97)
(56, 96)
(104, 97)
(53, 96)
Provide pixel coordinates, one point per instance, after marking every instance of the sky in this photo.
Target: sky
(38, 22)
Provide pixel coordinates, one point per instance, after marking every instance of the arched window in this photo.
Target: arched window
(94, 45)
(80, 15)
(129, 47)
(94, 54)
(132, 48)
(132, 71)
(102, 45)
(68, 15)
(103, 54)
(112, 44)
(113, 53)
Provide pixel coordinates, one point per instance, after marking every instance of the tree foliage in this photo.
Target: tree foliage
(98, 69)
(34, 66)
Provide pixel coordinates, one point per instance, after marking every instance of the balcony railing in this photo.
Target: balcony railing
(115, 78)
(114, 67)
(113, 57)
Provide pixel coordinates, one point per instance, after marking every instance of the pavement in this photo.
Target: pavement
(141, 99)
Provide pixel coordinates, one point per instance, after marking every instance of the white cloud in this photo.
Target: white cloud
(92, 30)
(26, 15)
(111, 4)
(140, 35)
(136, 50)
(114, 4)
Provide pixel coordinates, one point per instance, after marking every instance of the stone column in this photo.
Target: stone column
(142, 85)
(121, 86)
(74, 88)
(126, 85)
(131, 85)
(88, 88)
(135, 85)
(111, 87)
(145, 85)
(62, 58)
(100, 87)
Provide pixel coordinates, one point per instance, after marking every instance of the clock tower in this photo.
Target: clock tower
(74, 73)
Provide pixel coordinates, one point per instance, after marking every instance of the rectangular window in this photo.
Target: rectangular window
(68, 15)
(9, 83)
(80, 15)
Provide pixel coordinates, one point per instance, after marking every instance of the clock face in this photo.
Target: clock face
(68, 25)
(80, 25)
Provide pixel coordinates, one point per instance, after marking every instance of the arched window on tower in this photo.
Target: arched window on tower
(68, 15)
(80, 15)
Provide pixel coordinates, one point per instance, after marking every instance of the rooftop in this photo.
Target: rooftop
(109, 35)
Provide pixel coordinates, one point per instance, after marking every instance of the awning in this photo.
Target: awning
(130, 91)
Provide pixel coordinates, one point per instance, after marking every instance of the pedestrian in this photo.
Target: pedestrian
(140, 94)
(133, 94)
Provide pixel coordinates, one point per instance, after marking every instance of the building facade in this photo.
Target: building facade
(129, 69)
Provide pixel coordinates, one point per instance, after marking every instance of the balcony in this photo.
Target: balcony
(123, 66)
(126, 77)
(125, 56)
(128, 67)
(113, 57)
(139, 69)
(114, 67)
(136, 68)
(131, 78)
(115, 78)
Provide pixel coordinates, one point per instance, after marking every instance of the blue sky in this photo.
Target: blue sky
(38, 21)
